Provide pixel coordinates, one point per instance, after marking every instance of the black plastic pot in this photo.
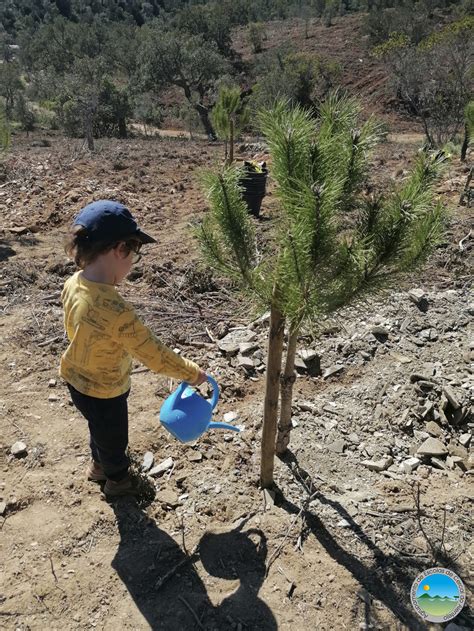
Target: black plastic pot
(254, 185)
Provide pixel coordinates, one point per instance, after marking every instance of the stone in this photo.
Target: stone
(230, 344)
(343, 523)
(312, 362)
(332, 371)
(52, 383)
(401, 358)
(416, 376)
(465, 439)
(247, 348)
(428, 411)
(438, 463)
(451, 397)
(306, 406)
(308, 355)
(166, 498)
(432, 447)
(245, 362)
(354, 439)
(380, 333)
(300, 365)
(378, 465)
(450, 461)
(337, 446)
(162, 467)
(148, 460)
(434, 429)
(53, 397)
(457, 450)
(418, 297)
(230, 416)
(18, 449)
(409, 465)
(195, 456)
(426, 385)
(3, 508)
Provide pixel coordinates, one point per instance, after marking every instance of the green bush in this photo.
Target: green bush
(299, 78)
(70, 119)
(113, 110)
(256, 36)
(23, 114)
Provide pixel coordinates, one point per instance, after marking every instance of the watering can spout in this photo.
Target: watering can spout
(213, 425)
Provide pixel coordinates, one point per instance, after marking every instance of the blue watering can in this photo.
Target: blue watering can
(187, 415)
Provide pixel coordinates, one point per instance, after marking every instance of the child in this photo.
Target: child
(104, 333)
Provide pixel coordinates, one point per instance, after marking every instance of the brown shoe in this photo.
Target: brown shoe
(95, 472)
(126, 486)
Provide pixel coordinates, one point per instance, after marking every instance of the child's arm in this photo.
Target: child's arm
(140, 342)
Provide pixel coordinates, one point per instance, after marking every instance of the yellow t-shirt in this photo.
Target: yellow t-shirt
(104, 333)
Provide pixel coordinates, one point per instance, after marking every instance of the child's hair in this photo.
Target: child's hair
(85, 251)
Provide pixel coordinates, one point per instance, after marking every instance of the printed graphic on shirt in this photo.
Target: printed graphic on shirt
(104, 333)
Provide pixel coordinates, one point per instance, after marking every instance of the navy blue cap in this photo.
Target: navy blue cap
(109, 221)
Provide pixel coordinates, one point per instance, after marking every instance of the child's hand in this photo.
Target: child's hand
(202, 378)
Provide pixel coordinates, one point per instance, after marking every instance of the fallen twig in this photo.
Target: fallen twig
(408, 554)
(195, 616)
(164, 579)
(136, 371)
(461, 243)
(50, 341)
(52, 569)
(276, 553)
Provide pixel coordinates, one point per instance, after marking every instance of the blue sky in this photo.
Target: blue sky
(440, 585)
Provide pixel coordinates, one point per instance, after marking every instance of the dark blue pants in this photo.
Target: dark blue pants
(108, 428)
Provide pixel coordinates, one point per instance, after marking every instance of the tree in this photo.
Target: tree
(10, 85)
(23, 114)
(211, 21)
(229, 116)
(433, 79)
(299, 78)
(72, 64)
(190, 63)
(468, 128)
(4, 132)
(332, 242)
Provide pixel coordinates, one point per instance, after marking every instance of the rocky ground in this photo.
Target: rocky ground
(378, 483)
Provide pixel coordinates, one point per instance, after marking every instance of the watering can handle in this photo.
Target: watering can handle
(215, 394)
(180, 389)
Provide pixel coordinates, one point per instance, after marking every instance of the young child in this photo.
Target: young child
(105, 333)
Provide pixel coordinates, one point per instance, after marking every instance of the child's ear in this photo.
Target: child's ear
(119, 250)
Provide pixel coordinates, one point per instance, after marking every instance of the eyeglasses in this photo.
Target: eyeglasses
(133, 246)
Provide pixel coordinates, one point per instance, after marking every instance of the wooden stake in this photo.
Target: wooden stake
(287, 383)
(270, 410)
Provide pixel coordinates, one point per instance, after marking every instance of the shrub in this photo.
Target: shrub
(256, 36)
(23, 114)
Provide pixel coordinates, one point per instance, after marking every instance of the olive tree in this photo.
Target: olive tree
(188, 62)
(433, 79)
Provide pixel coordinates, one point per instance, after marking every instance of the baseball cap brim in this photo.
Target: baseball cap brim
(144, 237)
